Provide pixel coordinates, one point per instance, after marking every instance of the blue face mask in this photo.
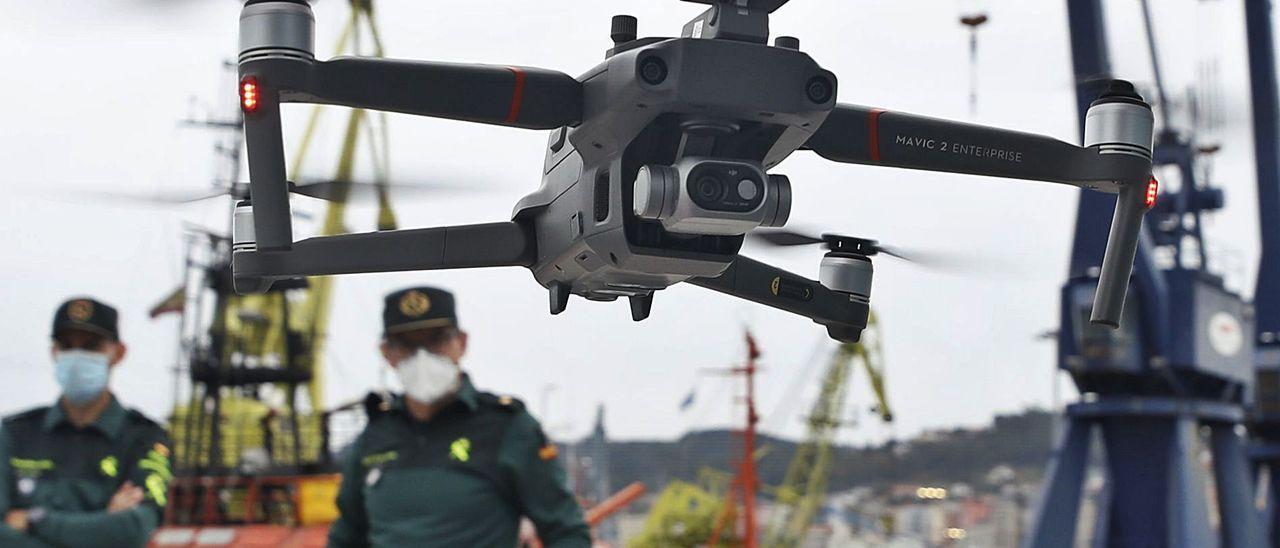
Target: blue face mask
(82, 374)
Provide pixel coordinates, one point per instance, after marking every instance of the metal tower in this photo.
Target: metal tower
(1179, 366)
(1265, 419)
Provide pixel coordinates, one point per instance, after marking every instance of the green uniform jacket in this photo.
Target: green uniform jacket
(72, 473)
(464, 478)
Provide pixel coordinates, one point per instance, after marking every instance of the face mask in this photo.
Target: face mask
(428, 377)
(82, 374)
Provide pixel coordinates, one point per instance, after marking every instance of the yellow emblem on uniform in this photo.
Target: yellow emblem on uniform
(773, 286)
(460, 450)
(548, 452)
(80, 310)
(414, 304)
(109, 466)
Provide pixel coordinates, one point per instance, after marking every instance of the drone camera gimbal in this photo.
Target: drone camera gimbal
(657, 164)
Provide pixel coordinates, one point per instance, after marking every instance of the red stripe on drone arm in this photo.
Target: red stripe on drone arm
(517, 95)
(873, 127)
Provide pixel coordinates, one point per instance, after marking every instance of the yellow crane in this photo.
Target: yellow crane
(251, 356)
(315, 309)
(685, 514)
(804, 487)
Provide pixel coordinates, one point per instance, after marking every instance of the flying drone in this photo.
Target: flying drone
(657, 165)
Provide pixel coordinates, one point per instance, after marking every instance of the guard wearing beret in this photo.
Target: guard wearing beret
(84, 471)
(445, 464)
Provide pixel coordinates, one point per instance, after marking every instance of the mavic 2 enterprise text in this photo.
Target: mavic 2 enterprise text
(959, 148)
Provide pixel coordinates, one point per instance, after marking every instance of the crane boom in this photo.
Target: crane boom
(803, 489)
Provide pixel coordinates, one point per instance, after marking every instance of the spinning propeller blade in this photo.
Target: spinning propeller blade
(927, 259)
(784, 238)
(330, 190)
(351, 191)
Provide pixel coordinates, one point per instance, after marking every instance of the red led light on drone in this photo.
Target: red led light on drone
(1153, 191)
(249, 94)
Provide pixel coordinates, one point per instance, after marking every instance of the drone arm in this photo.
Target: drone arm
(464, 246)
(758, 282)
(510, 96)
(869, 136)
(523, 97)
(860, 135)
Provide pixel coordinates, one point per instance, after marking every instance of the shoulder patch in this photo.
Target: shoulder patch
(502, 402)
(35, 414)
(548, 451)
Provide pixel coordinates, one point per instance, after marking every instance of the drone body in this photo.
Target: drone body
(657, 165)
(682, 130)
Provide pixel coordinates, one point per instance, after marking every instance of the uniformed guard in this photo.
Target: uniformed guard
(84, 471)
(445, 464)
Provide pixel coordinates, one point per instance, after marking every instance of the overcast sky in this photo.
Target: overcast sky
(93, 92)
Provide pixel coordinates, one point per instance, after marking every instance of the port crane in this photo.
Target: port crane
(719, 508)
(1181, 363)
(1265, 417)
(804, 488)
(253, 360)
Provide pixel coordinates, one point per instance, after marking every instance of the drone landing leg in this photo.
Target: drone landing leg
(758, 282)
(559, 294)
(640, 306)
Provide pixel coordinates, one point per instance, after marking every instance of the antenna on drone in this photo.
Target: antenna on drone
(973, 18)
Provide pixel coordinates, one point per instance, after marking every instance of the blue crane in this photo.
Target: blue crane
(1265, 420)
(1180, 364)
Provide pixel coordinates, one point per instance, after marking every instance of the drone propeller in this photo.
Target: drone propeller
(339, 191)
(861, 246)
(789, 238)
(328, 190)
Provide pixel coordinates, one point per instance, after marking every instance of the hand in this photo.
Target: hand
(17, 520)
(126, 497)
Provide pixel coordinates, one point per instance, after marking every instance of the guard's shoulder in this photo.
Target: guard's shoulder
(141, 420)
(500, 401)
(33, 415)
(377, 404)
(146, 430)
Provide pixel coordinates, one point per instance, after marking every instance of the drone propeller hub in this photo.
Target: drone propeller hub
(849, 245)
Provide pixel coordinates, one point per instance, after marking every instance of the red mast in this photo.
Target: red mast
(748, 473)
(746, 480)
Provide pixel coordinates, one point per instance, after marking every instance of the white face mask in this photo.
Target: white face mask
(428, 377)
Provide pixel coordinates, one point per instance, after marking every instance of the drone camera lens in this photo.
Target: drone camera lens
(709, 187)
(653, 70)
(819, 89)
